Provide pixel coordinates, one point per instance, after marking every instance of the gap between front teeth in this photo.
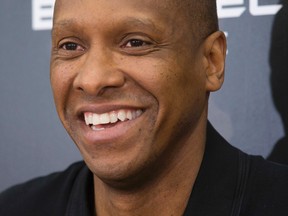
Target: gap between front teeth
(111, 117)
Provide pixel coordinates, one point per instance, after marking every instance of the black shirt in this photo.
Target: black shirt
(229, 182)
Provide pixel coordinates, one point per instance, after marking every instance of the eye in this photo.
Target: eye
(135, 43)
(71, 46)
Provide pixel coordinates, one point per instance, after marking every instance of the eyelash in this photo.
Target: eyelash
(74, 47)
(132, 46)
(135, 43)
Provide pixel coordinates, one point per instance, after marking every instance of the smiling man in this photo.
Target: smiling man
(131, 81)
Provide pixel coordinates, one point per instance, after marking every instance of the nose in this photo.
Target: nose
(98, 72)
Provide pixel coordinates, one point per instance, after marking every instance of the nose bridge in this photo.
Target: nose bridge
(98, 71)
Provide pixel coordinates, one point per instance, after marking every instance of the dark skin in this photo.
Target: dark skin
(132, 55)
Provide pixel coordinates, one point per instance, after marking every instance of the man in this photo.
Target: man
(131, 81)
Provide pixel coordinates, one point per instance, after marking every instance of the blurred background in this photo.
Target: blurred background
(250, 111)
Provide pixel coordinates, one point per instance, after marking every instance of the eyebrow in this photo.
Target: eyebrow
(142, 22)
(63, 23)
(60, 25)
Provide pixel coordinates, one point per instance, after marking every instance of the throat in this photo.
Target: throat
(167, 195)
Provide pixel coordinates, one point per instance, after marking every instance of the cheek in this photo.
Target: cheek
(61, 78)
(151, 74)
(182, 95)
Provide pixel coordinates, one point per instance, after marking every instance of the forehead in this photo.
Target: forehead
(141, 3)
(164, 19)
(151, 9)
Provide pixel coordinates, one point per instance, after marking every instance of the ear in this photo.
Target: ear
(215, 53)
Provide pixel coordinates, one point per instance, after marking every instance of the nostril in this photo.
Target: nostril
(101, 91)
(79, 88)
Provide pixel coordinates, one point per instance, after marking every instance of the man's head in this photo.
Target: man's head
(131, 80)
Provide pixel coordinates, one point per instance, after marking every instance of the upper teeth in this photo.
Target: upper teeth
(111, 117)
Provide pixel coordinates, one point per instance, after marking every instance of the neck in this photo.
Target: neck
(166, 193)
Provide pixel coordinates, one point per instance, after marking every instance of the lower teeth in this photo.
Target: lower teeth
(94, 128)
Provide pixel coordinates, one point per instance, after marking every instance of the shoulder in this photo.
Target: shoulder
(48, 192)
(269, 175)
(267, 188)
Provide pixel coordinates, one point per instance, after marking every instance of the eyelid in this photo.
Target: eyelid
(145, 43)
(67, 40)
(137, 36)
(67, 54)
(78, 47)
(146, 49)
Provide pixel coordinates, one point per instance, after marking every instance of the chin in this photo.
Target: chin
(119, 173)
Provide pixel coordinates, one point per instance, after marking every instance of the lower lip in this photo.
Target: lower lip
(109, 133)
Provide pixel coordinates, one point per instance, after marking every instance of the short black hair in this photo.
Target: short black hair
(203, 16)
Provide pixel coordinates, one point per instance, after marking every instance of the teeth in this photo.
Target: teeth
(88, 118)
(129, 115)
(111, 117)
(121, 115)
(138, 113)
(96, 119)
(104, 118)
(91, 117)
(94, 128)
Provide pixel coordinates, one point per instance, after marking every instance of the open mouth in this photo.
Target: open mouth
(102, 121)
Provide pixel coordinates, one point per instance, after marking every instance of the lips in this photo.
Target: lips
(100, 121)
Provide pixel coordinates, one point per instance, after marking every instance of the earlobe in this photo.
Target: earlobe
(215, 54)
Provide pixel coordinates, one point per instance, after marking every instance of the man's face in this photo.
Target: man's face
(128, 82)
